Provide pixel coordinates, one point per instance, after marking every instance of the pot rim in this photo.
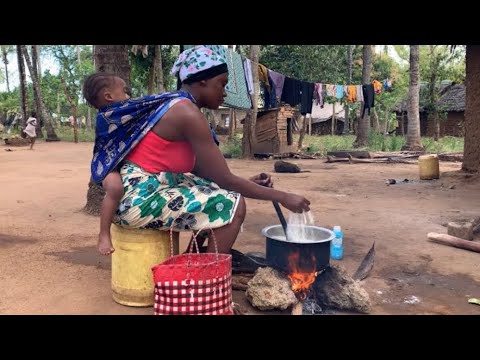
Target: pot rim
(332, 235)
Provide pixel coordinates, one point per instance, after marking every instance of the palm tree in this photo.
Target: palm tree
(114, 59)
(6, 49)
(23, 85)
(51, 135)
(414, 142)
(471, 151)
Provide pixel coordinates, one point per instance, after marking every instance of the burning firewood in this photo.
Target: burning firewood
(297, 309)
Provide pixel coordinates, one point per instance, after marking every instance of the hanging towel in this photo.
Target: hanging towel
(339, 91)
(317, 93)
(369, 98)
(291, 93)
(247, 65)
(307, 97)
(278, 80)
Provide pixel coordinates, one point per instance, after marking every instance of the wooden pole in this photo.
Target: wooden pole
(454, 241)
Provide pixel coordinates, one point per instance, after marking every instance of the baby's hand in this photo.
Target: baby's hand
(105, 245)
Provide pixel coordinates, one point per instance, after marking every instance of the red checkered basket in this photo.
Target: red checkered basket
(194, 283)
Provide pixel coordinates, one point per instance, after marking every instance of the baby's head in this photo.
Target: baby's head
(101, 89)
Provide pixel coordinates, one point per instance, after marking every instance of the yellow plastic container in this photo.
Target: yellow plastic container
(136, 252)
(428, 167)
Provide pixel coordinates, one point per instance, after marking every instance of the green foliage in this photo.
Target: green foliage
(66, 134)
(377, 142)
(10, 101)
(140, 69)
(232, 147)
(323, 63)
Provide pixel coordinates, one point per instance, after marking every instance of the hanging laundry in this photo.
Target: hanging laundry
(307, 97)
(263, 76)
(351, 93)
(269, 97)
(317, 94)
(331, 89)
(247, 65)
(278, 80)
(377, 86)
(359, 93)
(292, 90)
(339, 91)
(369, 98)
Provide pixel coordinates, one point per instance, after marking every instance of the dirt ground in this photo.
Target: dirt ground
(49, 264)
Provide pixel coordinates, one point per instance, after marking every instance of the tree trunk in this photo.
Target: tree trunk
(414, 142)
(375, 121)
(58, 108)
(232, 124)
(74, 109)
(38, 109)
(151, 78)
(114, 59)
(333, 120)
(471, 151)
(5, 61)
(364, 122)
(51, 135)
(37, 51)
(387, 117)
(302, 133)
(250, 120)
(89, 118)
(79, 58)
(402, 124)
(159, 69)
(346, 126)
(23, 85)
(433, 119)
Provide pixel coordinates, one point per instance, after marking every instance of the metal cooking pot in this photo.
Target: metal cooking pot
(316, 244)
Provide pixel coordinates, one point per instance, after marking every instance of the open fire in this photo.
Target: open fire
(302, 273)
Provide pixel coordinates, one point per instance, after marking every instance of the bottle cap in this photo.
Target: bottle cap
(337, 228)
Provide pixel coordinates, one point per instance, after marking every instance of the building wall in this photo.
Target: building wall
(451, 126)
(221, 116)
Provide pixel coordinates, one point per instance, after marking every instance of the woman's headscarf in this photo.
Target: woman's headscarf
(198, 63)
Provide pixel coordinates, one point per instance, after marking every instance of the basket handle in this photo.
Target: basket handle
(197, 248)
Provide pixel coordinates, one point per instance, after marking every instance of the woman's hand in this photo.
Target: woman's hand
(295, 203)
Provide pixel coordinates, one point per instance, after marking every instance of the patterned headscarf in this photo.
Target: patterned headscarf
(198, 63)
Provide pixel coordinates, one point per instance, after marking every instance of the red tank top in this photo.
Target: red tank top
(155, 154)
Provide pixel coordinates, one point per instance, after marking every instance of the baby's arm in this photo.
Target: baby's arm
(113, 194)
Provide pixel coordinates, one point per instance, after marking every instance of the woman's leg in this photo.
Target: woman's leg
(32, 141)
(226, 235)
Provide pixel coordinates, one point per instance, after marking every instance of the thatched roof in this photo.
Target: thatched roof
(453, 99)
(442, 87)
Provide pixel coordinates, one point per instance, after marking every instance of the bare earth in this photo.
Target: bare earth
(49, 264)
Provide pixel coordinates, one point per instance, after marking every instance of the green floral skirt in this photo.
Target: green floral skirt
(155, 201)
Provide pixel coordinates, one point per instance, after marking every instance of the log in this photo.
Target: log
(360, 154)
(352, 160)
(457, 157)
(240, 281)
(454, 241)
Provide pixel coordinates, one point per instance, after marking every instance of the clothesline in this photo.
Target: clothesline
(314, 82)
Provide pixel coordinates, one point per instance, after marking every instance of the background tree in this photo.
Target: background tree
(114, 59)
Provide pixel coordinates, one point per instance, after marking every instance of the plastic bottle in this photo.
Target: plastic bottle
(336, 247)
